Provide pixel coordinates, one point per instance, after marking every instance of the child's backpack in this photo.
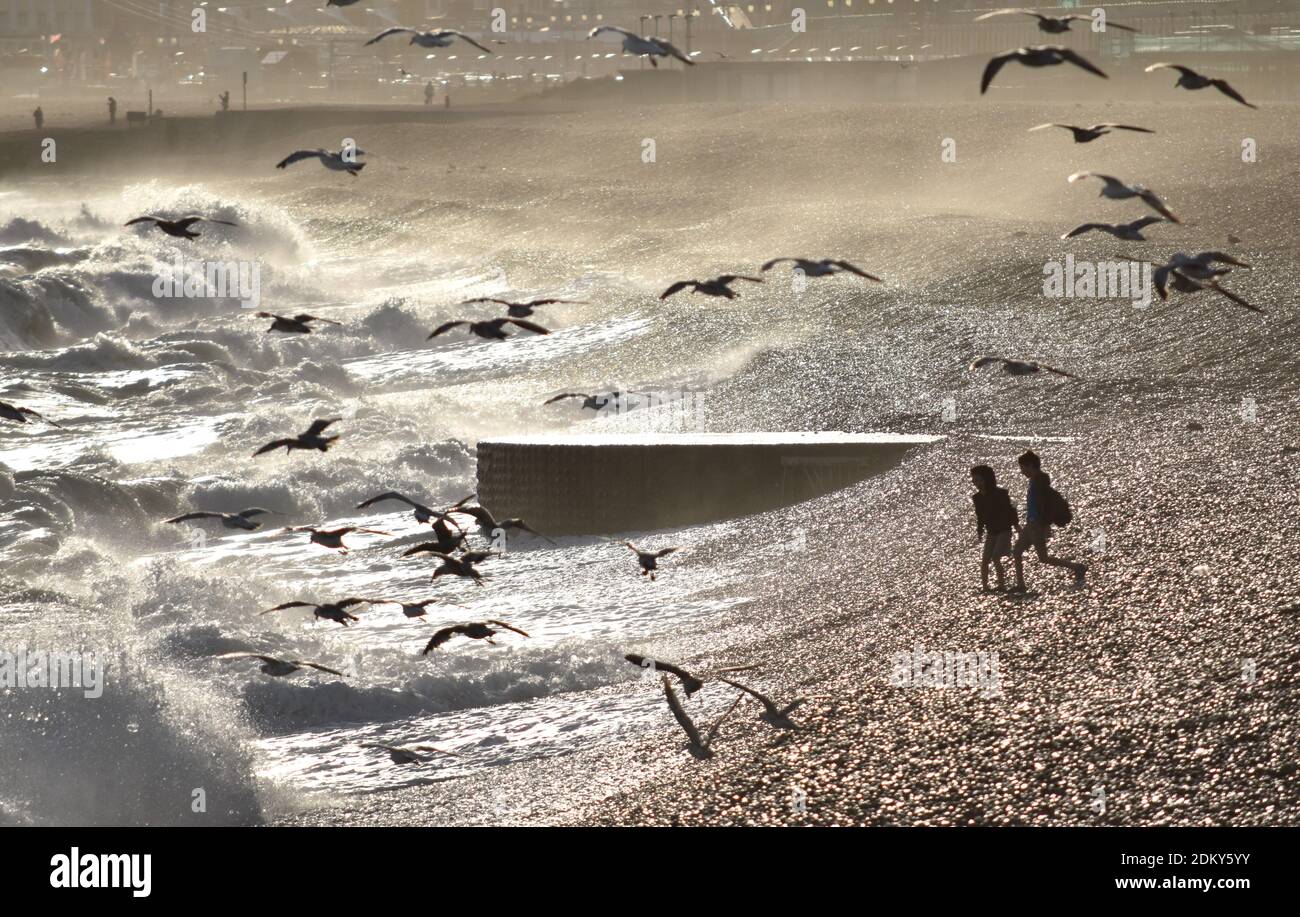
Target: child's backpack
(1056, 507)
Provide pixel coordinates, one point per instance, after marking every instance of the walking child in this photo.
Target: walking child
(1043, 508)
(995, 517)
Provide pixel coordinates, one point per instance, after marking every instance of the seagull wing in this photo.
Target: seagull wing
(566, 395)
(1040, 127)
(992, 68)
(463, 37)
(1223, 87)
(318, 426)
(444, 328)
(394, 30)
(141, 220)
(304, 317)
(610, 28)
(273, 445)
(439, 638)
(1154, 202)
(188, 516)
(1123, 127)
(288, 605)
(1221, 257)
(1145, 222)
(1110, 180)
(500, 302)
(676, 288)
(1185, 71)
(1224, 291)
(664, 552)
(509, 627)
(528, 326)
(299, 156)
(713, 730)
(391, 495)
(1060, 372)
(985, 361)
(1002, 12)
(1079, 60)
(767, 266)
(853, 269)
(323, 668)
(731, 278)
(672, 50)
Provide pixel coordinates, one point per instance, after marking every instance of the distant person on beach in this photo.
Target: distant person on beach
(225, 100)
(1044, 507)
(39, 117)
(112, 110)
(446, 101)
(995, 517)
(428, 93)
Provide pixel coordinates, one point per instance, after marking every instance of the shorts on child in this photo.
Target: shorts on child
(997, 545)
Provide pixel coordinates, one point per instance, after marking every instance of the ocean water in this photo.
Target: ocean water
(162, 402)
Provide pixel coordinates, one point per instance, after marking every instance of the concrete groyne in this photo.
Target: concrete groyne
(634, 482)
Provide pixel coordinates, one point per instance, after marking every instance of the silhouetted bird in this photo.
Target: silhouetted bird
(438, 38)
(823, 268)
(689, 682)
(523, 309)
(240, 520)
(333, 538)
(1190, 79)
(447, 540)
(296, 325)
(462, 565)
(1129, 231)
(1116, 190)
(1089, 134)
(409, 754)
(341, 161)
(644, 45)
(1019, 367)
(718, 286)
(700, 746)
(772, 714)
(422, 512)
(416, 609)
(311, 439)
(649, 560)
(19, 415)
(178, 228)
(492, 330)
(1036, 56)
(330, 611)
(281, 667)
(475, 630)
(1053, 25)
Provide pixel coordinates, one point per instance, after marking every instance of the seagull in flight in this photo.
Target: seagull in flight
(333, 538)
(523, 309)
(823, 268)
(462, 565)
(310, 439)
(296, 325)
(1053, 25)
(422, 513)
(1036, 56)
(13, 412)
(594, 402)
(644, 44)
(690, 683)
(490, 523)
(438, 38)
(1190, 273)
(330, 611)
(492, 330)
(772, 714)
(178, 228)
(649, 560)
(1131, 232)
(1019, 367)
(718, 286)
(1116, 190)
(415, 609)
(281, 667)
(700, 746)
(1190, 79)
(240, 520)
(409, 754)
(1089, 134)
(341, 161)
(447, 540)
(475, 630)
